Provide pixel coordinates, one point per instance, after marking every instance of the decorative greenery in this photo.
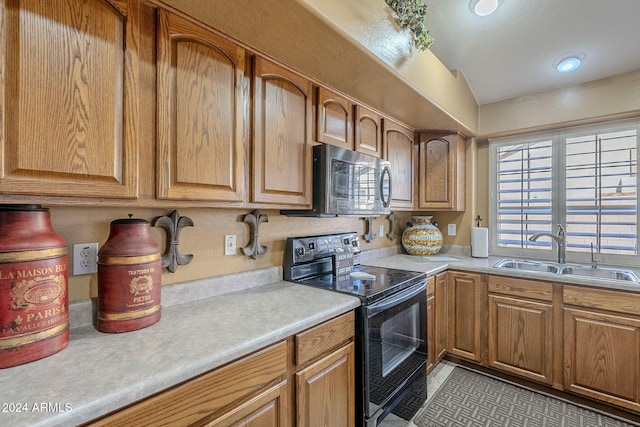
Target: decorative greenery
(410, 14)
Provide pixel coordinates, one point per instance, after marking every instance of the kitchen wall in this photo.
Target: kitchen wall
(206, 238)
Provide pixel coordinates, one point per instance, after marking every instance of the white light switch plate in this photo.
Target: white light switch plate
(451, 230)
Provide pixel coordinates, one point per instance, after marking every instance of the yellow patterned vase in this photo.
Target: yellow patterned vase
(422, 237)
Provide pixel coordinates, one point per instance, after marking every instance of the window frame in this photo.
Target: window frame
(558, 140)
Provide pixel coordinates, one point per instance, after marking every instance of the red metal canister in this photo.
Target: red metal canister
(129, 277)
(34, 302)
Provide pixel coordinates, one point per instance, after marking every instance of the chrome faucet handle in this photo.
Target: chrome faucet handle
(561, 232)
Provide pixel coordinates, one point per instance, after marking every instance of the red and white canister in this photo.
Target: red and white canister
(34, 301)
(129, 277)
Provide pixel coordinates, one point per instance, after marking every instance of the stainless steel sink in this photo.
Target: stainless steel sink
(538, 266)
(601, 273)
(569, 269)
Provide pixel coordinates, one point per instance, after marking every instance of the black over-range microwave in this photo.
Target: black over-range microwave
(346, 182)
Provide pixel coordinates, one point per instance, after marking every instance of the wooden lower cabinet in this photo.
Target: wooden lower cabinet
(326, 391)
(602, 345)
(325, 375)
(521, 327)
(305, 380)
(466, 326)
(227, 393)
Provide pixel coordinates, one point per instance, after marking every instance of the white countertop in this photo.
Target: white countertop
(98, 373)
(436, 263)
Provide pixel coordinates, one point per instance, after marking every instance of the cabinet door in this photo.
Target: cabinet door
(521, 337)
(398, 143)
(440, 340)
(200, 110)
(334, 119)
(69, 98)
(602, 357)
(441, 172)
(282, 137)
(368, 134)
(268, 409)
(466, 314)
(326, 391)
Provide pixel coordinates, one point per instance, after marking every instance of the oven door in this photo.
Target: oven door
(395, 351)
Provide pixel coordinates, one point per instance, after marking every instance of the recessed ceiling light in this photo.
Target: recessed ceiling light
(484, 7)
(569, 63)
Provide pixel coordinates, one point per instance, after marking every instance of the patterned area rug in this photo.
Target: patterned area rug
(471, 399)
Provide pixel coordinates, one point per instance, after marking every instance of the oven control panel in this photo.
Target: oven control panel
(301, 250)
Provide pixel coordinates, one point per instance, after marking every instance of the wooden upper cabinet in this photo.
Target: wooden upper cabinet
(69, 98)
(282, 157)
(200, 113)
(368, 135)
(398, 143)
(441, 171)
(334, 119)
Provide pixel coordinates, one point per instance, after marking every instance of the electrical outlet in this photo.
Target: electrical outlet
(381, 231)
(85, 258)
(451, 230)
(230, 244)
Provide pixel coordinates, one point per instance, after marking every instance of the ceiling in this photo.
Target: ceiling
(511, 53)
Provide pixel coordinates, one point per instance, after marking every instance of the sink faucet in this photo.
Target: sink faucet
(561, 241)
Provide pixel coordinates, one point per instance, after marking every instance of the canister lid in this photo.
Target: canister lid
(130, 220)
(22, 207)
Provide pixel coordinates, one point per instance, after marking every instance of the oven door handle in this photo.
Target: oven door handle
(396, 299)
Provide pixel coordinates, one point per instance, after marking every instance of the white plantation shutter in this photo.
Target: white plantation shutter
(583, 178)
(601, 187)
(524, 192)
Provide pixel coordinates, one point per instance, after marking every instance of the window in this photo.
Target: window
(582, 178)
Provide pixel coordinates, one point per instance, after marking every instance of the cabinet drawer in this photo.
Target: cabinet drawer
(321, 339)
(524, 288)
(617, 301)
(208, 394)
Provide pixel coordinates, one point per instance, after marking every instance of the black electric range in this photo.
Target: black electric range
(390, 324)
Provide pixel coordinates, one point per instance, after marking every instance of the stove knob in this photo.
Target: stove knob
(312, 246)
(300, 252)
